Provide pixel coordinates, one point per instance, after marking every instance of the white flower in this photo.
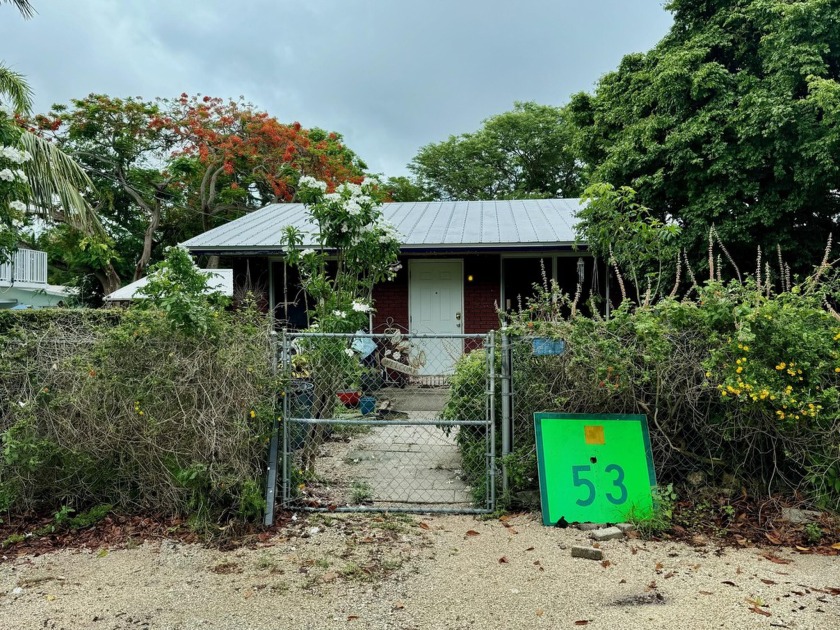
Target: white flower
(21, 175)
(339, 314)
(310, 182)
(361, 307)
(352, 207)
(307, 252)
(7, 175)
(349, 352)
(14, 155)
(332, 197)
(17, 205)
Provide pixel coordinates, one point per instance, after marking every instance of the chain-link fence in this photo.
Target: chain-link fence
(370, 423)
(544, 374)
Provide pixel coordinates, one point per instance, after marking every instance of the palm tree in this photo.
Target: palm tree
(24, 6)
(56, 182)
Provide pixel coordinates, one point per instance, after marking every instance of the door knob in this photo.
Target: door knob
(458, 315)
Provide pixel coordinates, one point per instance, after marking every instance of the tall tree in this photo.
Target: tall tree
(526, 152)
(730, 120)
(171, 168)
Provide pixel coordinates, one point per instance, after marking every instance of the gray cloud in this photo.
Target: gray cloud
(390, 75)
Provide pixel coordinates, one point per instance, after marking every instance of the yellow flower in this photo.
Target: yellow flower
(746, 348)
(709, 374)
(781, 366)
(140, 413)
(837, 369)
(253, 413)
(739, 370)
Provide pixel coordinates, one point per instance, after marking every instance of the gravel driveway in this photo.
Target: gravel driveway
(421, 572)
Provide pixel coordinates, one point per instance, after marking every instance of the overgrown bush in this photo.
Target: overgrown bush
(737, 380)
(144, 414)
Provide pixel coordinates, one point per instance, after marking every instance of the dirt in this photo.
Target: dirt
(354, 571)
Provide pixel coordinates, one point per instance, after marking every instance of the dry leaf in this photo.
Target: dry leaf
(352, 617)
(658, 567)
(803, 548)
(540, 612)
(669, 575)
(530, 548)
(758, 610)
(399, 606)
(776, 559)
(729, 583)
(329, 577)
(706, 593)
(738, 571)
(581, 622)
(423, 525)
(773, 539)
(503, 560)
(472, 532)
(835, 546)
(766, 581)
(605, 563)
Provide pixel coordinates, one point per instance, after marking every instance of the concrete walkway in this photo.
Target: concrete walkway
(408, 466)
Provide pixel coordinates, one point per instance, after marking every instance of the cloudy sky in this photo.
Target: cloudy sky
(391, 75)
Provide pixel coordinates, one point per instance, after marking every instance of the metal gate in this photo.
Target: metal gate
(376, 422)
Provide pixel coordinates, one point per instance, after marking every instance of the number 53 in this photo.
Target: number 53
(618, 482)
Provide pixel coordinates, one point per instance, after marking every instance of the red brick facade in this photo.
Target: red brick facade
(480, 296)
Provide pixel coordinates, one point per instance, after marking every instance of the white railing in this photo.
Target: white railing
(28, 266)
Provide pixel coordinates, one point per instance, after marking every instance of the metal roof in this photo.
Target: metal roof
(515, 224)
(220, 281)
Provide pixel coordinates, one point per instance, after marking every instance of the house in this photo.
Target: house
(460, 261)
(220, 281)
(23, 282)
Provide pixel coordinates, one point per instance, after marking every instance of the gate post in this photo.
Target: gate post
(271, 477)
(491, 405)
(506, 415)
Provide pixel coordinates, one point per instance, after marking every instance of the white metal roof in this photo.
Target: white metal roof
(221, 280)
(515, 224)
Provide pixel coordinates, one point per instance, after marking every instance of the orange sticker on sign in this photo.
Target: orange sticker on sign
(593, 434)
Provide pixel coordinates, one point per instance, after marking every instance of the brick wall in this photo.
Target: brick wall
(391, 301)
(480, 296)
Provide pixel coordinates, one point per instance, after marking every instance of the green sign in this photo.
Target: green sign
(594, 468)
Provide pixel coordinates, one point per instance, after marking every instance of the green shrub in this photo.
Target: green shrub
(132, 412)
(739, 381)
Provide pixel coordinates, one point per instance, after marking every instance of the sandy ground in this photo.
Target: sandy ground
(420, 572)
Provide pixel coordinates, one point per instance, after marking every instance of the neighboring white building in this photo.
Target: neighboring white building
(23, 282)
(221, 281)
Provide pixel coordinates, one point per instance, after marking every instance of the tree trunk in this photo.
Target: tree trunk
(108, 279)
(148, 240)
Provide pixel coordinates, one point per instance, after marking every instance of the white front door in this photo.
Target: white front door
(436, 299)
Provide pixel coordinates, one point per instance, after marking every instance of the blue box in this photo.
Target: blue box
(545, 346)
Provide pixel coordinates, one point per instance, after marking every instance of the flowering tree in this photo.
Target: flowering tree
(168, 169)
(350, 249)
(14, 187)
(236, 158)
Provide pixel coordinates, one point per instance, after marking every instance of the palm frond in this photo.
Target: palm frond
(24, 6)
(55, 179)
(14, 86)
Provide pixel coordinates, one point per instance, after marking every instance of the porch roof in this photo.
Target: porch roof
(433, 225)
